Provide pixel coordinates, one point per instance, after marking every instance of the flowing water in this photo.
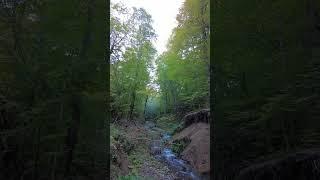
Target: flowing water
(164, 154)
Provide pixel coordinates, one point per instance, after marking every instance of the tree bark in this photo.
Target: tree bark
(145, 106)
(133, 95)
(72, 132)
(244, 84)
(72, 137)
(36, 159)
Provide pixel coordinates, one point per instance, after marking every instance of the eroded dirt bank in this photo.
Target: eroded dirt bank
(145, 150)
(131, 156)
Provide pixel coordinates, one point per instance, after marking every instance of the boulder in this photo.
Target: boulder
(155, 150)
(156, 147)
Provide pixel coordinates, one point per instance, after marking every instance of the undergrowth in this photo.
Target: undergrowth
(179, 145)
(168, 123)
(130, 177)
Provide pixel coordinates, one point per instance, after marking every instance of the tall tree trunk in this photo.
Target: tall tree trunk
(145, 106)
(133, 94)
(72, 136)
(133, 98)
(166, 104)
(53, 171)
(244, 84)
(36, 159)
(17, 38)
(205, 31)
(310, 26)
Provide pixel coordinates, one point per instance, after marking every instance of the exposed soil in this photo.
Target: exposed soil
(141, 160)
(197, 153)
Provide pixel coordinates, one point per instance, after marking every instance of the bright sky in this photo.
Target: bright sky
(163, 13)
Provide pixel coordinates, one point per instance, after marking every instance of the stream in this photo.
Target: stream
(165, 154)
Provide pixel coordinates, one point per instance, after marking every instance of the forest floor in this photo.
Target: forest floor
(135, 141)
(151, 150)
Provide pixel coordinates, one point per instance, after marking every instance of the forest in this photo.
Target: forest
(266, 60)
(84, 92)
(159, 101)
(53, 90)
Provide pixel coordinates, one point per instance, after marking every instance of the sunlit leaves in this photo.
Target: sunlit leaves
(183, 69)
(131, 54)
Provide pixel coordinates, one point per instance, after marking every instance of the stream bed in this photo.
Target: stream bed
(165, 155)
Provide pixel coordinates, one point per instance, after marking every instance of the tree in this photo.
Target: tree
(130, 72)
(54, 85)
(183, 72)
(262, 57)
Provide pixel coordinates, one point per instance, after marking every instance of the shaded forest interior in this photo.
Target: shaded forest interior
(266, 64)
(53, 77)
(157, 88)
(53, 86)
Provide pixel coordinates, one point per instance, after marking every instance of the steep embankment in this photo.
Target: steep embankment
(195, 130)
(133, 152)
(197, 152)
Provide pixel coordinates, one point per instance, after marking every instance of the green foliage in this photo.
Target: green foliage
(179, 145)
(178, 128)
(53, 89)
(130, 177)
(123, 140)
(138, 157)
(152, 107)
(130, 61)
(136, 161)
(265, 81)
(168, 123)
(182, 70)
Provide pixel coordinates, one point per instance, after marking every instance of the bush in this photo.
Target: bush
(178, 128)
(179, 145)
(127, 145)
(130, 177)
(168, 123)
